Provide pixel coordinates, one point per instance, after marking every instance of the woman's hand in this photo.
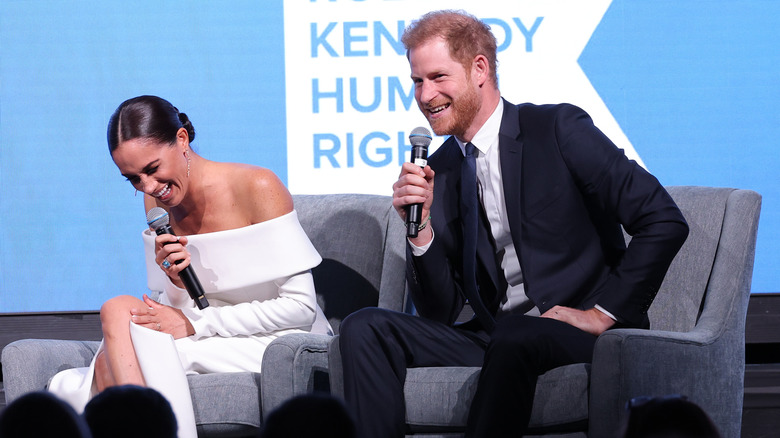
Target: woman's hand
(162, 318)
(172, 256)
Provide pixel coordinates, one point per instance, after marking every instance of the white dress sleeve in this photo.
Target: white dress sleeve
(295, 307)
(257, 279)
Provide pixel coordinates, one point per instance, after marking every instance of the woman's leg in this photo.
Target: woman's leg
(103, 377)
(117, 364)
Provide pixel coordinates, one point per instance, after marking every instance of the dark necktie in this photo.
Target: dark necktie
(469, 212)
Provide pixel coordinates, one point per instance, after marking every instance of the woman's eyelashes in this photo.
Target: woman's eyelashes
(135, 179)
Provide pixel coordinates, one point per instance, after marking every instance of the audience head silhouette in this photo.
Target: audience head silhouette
(120, 411)
(313, 415)
(41, 414)
(667, 417)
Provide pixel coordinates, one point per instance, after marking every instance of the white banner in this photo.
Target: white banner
(350, 101)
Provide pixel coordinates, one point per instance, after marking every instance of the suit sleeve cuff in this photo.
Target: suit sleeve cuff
(417, 251)
(604, 311)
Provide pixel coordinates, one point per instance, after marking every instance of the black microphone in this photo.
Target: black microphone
(157, 218)
(420, 138)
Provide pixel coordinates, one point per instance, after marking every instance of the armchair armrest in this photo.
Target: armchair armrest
(293, 364)
(29, 364)
(704, 365)
(336, 370)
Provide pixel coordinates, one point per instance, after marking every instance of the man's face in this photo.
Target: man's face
(444, 90)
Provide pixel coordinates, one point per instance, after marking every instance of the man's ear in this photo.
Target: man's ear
(481, 68)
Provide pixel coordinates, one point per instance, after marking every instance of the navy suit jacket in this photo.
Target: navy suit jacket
(567, 189)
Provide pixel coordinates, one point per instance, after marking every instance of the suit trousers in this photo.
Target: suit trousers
(378, 345)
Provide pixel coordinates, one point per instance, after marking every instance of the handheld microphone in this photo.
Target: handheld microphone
(157, 218)
(420, 138)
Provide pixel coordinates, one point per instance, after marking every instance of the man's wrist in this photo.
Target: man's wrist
(424, 224)
(422, 242)
(605, 312)
(605, 319)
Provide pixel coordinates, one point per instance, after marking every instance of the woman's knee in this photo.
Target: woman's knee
(117, 310)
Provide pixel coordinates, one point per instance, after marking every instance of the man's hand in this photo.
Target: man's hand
(592, 320)
(415, 186)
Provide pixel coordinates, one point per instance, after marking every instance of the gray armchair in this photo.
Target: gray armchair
(695, 346)
(361, 241)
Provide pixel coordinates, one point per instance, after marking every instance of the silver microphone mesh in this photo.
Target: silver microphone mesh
(157, 217)
(420, 137)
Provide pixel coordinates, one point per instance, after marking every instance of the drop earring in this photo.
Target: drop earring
(187, 154)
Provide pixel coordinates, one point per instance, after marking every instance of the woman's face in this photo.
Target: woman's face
(158, 169)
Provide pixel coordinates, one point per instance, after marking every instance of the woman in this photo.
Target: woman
(240, 234)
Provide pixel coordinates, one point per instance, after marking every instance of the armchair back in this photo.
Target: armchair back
(361, 241)
(680, 301)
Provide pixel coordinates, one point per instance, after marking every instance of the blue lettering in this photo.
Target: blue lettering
(374, 150)
(330, 154)
(507, 32)
(321, 40)
(395, 88)
(529, 34)
(353, 95)
(404, 148)
(386, 152)
(395, 42)
(350, 150)
(349, 38)
(355, 41)
(316, 95)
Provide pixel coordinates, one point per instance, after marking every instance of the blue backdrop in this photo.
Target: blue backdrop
(692, 85)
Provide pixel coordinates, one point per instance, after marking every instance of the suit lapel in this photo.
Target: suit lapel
(510, 146)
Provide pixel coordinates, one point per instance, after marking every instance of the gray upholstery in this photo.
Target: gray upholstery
(361, 241)
(695, 345)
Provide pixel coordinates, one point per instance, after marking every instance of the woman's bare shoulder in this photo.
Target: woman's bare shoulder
(260, 190)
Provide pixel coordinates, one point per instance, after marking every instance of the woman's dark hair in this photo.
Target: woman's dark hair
(147, 117)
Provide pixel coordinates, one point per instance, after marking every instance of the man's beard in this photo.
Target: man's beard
(464, 109)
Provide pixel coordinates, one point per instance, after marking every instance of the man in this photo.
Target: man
(541, 193)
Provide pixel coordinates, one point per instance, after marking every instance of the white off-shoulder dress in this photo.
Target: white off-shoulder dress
(258, 282)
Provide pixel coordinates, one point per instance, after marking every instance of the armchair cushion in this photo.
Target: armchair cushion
(451, 390)
(28, 364)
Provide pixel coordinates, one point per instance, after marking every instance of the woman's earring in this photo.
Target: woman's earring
(187, 154)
